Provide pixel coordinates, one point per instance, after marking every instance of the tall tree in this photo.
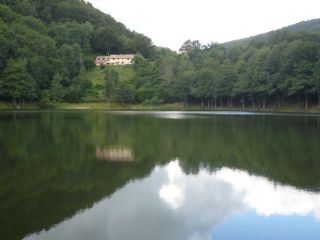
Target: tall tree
(111, 81)
(17, 83)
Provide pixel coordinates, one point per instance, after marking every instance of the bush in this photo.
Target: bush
(153, 101)
(45, 103)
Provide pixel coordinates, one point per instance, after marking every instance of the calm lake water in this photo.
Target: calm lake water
(159, 175)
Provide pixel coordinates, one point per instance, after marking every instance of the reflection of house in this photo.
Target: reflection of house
(115, 59)
(115, 154)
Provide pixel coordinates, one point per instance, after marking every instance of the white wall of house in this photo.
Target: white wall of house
(121, 59)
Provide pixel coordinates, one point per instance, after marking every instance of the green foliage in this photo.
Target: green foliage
(50, 46)
(153, 101)
(111, 82)
(58, 38)
(124, 92)
(57, 92)
(282, 68)
(45, 102)
(17, 83)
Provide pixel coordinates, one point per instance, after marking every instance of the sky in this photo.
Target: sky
(169, 23)
(169, 204)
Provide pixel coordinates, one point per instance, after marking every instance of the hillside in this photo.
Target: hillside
(47, 45)
(48, 50)
(311, 25)
(97, 78)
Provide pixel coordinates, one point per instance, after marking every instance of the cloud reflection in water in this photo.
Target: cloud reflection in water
(172, 205)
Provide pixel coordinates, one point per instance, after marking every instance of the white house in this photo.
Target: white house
(115, 59)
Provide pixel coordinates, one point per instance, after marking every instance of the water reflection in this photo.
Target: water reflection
(170, 204)
(115, 154)
(54, 165)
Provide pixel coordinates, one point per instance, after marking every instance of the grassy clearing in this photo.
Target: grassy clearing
(27, 106)
(96, 75)
(4, 105)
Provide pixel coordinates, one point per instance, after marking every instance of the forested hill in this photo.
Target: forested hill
(75, 22)
(45, 44)
(311, 26)
(48, 47)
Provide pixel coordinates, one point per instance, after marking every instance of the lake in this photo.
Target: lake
(159, 175)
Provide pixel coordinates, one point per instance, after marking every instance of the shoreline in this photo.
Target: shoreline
(98, 106)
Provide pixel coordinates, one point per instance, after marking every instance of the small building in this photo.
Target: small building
(115, 154)
(115, 59)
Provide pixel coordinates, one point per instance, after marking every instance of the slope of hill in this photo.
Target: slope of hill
(46, 44)
(47, 51)
(311, 25)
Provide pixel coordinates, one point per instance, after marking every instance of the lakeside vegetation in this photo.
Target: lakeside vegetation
(48, 50)
(178, 106)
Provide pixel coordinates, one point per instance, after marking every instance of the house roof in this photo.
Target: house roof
(118, 56)
(121, 56)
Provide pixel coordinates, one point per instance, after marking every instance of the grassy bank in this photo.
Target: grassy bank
(291, 108)
(178, 107)
(26, 106)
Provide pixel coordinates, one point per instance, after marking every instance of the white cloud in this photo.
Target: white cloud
(171, 22)
(269, 199)
(172, 205)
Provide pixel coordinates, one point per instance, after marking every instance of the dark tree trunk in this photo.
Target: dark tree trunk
(253, 103)
(306, 102)
(242, 101)
(279, 101)
(202, 103)
(14, 102)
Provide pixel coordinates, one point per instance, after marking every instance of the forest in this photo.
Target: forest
(286, 68)
(47, 47)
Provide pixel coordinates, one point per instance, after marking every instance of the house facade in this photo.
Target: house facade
(115, 59)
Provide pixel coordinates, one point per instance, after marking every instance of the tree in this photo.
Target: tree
(316, 79)
(57, 92)
(185, 79)
(200, 90)
(111, 81)
(125, 92)
(241, 88)
(17, 83)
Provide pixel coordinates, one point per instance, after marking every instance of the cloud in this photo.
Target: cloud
(170, 23)
(172, 205)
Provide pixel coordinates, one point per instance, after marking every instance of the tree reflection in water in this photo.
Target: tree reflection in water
(170, 204)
